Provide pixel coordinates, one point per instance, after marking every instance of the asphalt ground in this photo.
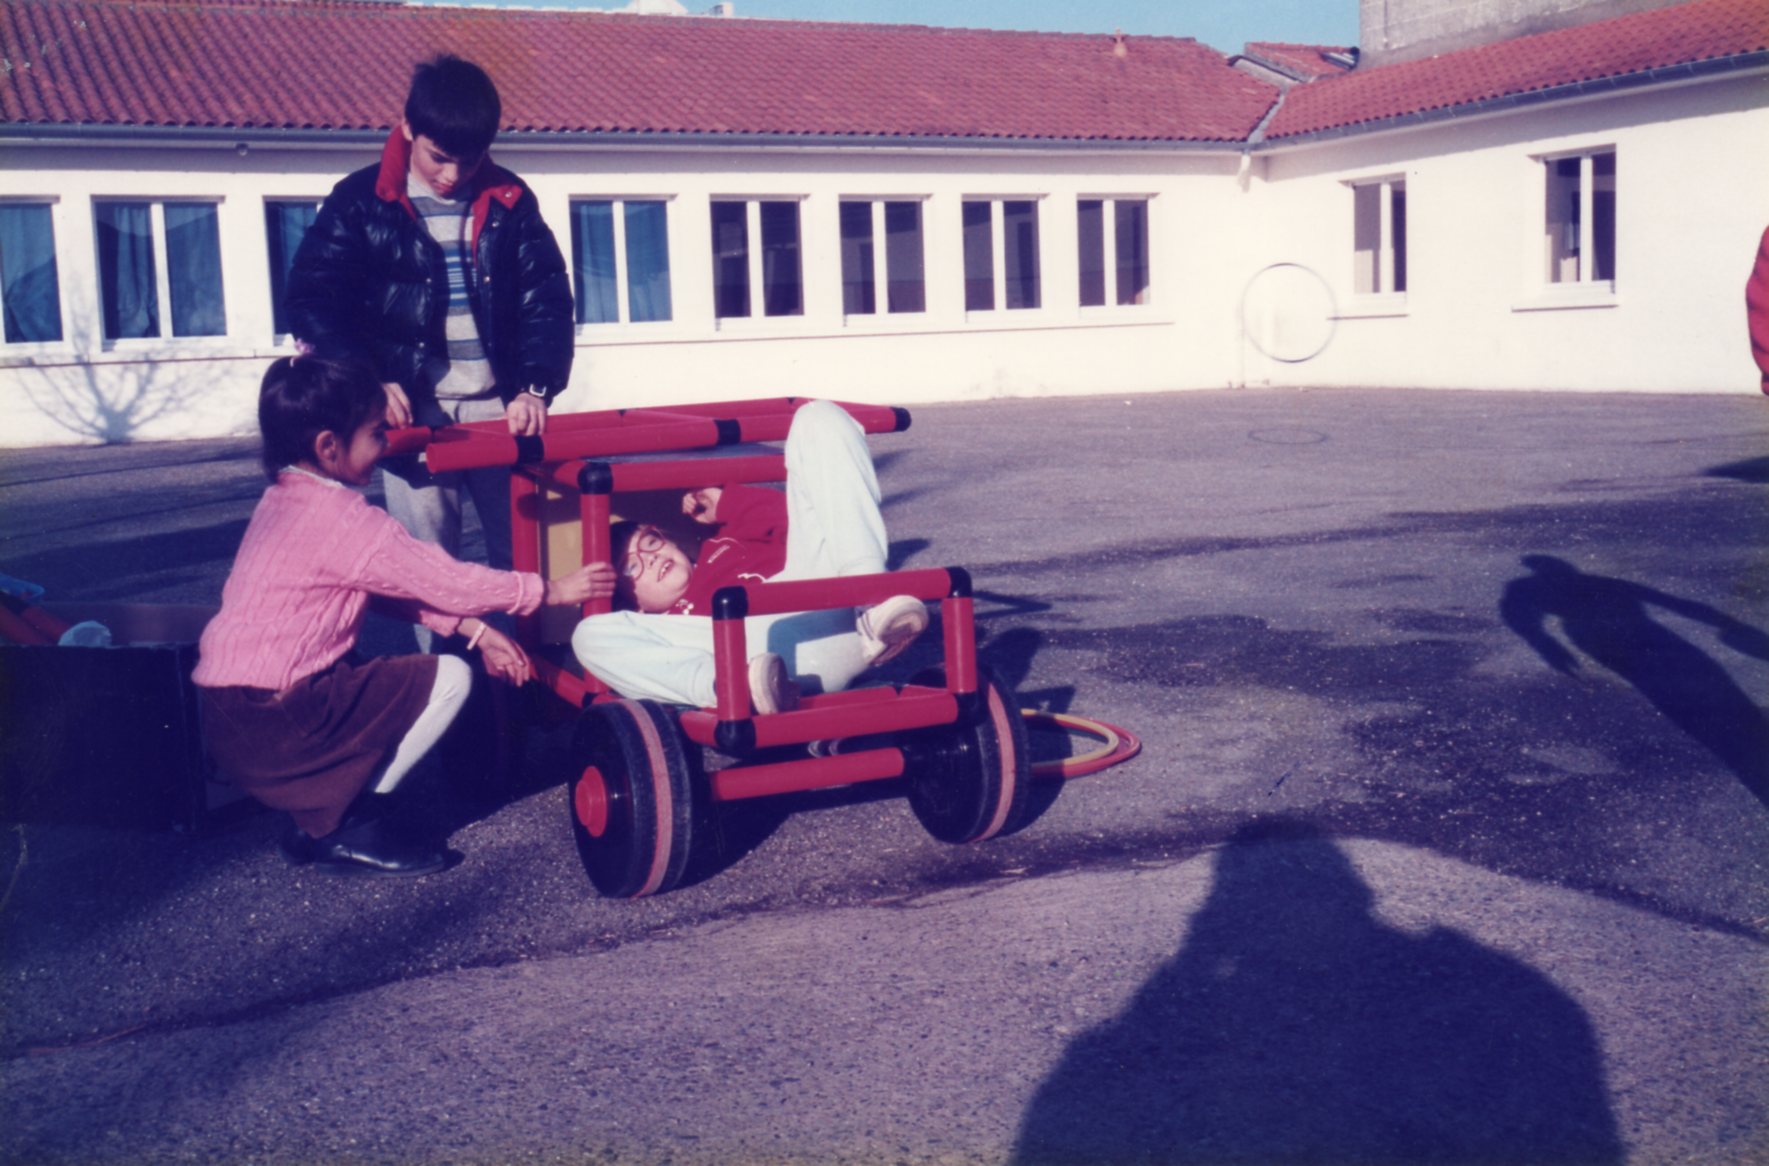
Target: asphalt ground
(1447, 843)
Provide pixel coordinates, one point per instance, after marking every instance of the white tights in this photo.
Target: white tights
(454, 679)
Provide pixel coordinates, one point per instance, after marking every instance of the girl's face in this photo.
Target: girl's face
(353, 462)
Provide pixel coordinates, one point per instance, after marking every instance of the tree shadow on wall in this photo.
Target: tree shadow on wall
(112, 402)
(1293, 1026)
(1608, 620)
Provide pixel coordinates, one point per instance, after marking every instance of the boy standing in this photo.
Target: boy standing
(436, 268)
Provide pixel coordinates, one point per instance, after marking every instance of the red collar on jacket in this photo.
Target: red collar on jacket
(494, 182)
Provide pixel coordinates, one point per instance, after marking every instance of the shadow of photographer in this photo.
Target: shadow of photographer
(1295, 1026)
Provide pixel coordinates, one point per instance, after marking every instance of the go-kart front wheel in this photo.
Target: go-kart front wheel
(972, 780)
(632, 802)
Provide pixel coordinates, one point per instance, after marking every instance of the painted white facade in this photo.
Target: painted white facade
(1692, 197)
(1692, 200)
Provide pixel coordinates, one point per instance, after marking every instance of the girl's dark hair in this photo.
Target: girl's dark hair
(454, 104)
(303, 396)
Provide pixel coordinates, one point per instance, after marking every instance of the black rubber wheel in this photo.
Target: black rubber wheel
(972, 780)
(631, 802)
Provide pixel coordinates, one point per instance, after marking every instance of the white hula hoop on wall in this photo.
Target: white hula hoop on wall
(1288, 313)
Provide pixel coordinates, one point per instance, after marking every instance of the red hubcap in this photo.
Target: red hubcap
(590, 800)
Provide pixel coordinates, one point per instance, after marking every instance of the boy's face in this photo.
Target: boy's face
(449, 175)
(653, 571)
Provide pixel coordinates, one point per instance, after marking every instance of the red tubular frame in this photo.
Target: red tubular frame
(558, 459)
(612, 432)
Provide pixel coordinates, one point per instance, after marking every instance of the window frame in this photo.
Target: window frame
(999, 308)
(618, 204)
(1584, 220)
(64, 321)
(163, 303)
(878, 239)
(1541, 292)
(1111, 259)
(1388, 264)
(756, 287)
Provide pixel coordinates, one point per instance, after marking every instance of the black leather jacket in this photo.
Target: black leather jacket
(368, 282)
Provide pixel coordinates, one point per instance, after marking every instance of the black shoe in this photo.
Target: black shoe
(373, 848)
(295, 845)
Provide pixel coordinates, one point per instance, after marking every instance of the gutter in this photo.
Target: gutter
(1599, 87)
(237, 137)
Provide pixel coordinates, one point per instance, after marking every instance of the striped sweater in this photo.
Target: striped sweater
(314, 556)
(449, 223)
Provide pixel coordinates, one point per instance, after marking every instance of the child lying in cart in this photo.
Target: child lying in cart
(288, 714)
(827, 523)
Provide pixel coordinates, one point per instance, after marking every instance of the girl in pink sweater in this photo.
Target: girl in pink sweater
(288, 713)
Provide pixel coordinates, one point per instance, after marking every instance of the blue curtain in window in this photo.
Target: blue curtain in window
(193, 269)
(285, 224)
(29, 284)
(648, 261)
(126, 270)
(592, 246)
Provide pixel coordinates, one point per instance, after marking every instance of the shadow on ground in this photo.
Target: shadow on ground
(1293, 1026)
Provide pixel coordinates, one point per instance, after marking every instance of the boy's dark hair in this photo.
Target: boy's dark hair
(303, 396)
(454, 104)
(619, 535)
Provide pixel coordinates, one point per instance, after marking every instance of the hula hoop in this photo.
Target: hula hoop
(1117, 745)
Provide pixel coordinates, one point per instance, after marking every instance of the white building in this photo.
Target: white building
(900, 214)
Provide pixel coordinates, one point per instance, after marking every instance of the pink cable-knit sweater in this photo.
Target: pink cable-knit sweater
(314, 556)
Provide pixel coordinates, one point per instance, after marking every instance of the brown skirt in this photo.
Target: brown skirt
(311, 748)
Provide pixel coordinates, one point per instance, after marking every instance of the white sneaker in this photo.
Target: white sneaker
(889, 627)
(770, 691)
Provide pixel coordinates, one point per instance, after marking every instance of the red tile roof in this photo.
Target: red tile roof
(339, 64)
(1707, 30)
(1305, 62)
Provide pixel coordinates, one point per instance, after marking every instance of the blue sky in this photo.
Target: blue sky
(1222, 24)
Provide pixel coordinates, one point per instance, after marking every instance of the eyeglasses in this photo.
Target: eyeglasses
(647, 542)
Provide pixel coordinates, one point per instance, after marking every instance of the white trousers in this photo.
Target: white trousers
(429, 505)
(833, 528)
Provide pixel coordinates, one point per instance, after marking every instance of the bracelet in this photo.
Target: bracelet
(473, 640)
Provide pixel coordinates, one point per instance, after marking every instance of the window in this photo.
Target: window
(1000, 254)
(285, 223)
(1379, 237)
(899, 282)
(159, 261)
(30, 288)
(1580, 242)
(623, 275)
(744, 274)
(1118, 227)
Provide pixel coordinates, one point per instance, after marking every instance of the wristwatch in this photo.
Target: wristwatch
(536, 391)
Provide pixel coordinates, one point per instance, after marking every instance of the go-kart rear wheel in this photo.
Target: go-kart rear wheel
(972, 780)
(632, 803)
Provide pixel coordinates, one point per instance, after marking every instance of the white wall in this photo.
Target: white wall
(86, 389)
(1692, 200)
(1693, 195)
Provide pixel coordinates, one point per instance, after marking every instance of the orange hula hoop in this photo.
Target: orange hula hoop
(1117, 744)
